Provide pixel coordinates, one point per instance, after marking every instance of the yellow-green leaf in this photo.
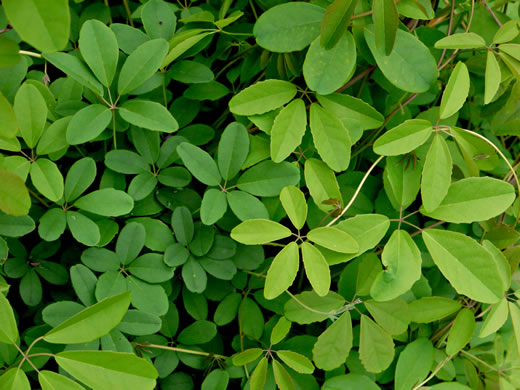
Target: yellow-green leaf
(456, 91)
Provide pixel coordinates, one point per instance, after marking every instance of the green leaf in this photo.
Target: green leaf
(76, 69)
(414, 364)
(98, 46)
(259, 231)
(401, 181)
(108, 202)
(9, 330)
(386, 21)
(430, 309)
(200, 332)
(410, 66)
(194, 276)
(144, 61)
(333, 346)
(456, 91)
(182, 224)
(328, 304)
(126, 161)
(469, 267)
(14, 197)
(330, 138)
(159, 20)
(47, 178)
(262, 97)
(334, 239)
(44, 25)
(282, 272)
(350, 381)
(9, 52)
(14, 379)
(436, 174)
(268, 178)
(322, 184)
(216, 380)
(246, 206)
(191, 72)
(181, 43)
(150, 267)
(474, 199)
(149, 115)
(88, 123)
(282, 377)
(467, 40)
(335, 22)
(402, 260)
(52, 381)
(449, 386)
(91, 323)
(316, 269)
(493, 77)
(96, 369)
(213, 207)
(403, 138)
(495, 319)
(507, 32)
(288, 130)
(15, 226)
(280, 330)
(9, 123)
(326, 70)
(296, 361)
(514, 311)
(275, 32)
(393, 316)
(233, 149)
(259, 375)
(199, 163)
(294, 203)
(247, 356)
(54, 137)
(80, 176)
(52, 224)
(376, 347)
(461, 332)
(31, 112)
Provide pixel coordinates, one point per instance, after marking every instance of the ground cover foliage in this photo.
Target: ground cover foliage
(259, 194)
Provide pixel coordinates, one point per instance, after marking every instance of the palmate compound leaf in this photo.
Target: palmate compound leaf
(282, 272)
(468, 266)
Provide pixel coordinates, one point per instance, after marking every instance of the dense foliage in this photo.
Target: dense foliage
(258, 194)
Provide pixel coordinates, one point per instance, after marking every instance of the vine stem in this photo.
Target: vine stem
(358, 190)
(29, 53)
(183, 350)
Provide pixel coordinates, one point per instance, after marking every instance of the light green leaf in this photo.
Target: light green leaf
(259, 375)
(54, 137)
(107, 201)
(334, 239)
(282, 272)
(401, 182)
(326, 70)
(288, 130)
(213, 206)
(294, 203)
(469, 267)
(247, 356)
(333, 346)
(141, 65)
(159, 20)
(414, 364)
(495, 319)
(507, 32)
(280, 330)
(88, 123)
(14, 379)
(47, 179)
(14, 197)
(467, 40)
(9, 52)
(296, 361)
(436, 174)
(403, 138)
(493, 77)
(316, 269)
(98, 46)
(52, 381)
(9, 126)
(44, 25)
(514, 311)
(456, 91)
(474, 199)
(449, 386)
(461, 332)
(330, 138)
(83, 229)
(245, 206)
(268, 178)
(76, 69)
(322, 184)
(102, 369)
(233, 149)
(130, 242)
(259, 231)
(80, 176)
(216, 380)
(262, 97)
(31, 113)
(295, 312)
(282, 377)
(191, 72)
(430, 309)
(149, 115)
(182, 42)
(199, 163)
(350, 381)
(335, 22)
(126, 161)
(91, 323)
(15, 226)
(9, 330)
(376, 347)
(393, 316)
(275, 32)
(410, 66)
(386, 21)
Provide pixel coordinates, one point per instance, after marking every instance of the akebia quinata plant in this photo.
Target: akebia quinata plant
(259, 194)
